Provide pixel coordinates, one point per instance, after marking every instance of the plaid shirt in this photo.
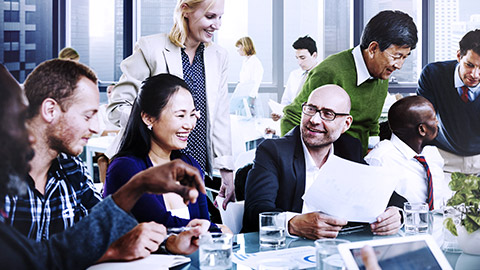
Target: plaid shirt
(69, 195)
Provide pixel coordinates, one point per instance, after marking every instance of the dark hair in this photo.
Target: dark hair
(390, 27)
(305, 42)
(14, 144)
(56, 79)
(404, 115)
(154, 96)
(471, 41)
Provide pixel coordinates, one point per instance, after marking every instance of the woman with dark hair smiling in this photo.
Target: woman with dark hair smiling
(161, 120)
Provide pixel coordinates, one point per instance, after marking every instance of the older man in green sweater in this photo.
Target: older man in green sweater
(363, 72)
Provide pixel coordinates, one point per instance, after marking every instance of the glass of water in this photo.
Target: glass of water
(272, 229)
(327, 255)
(418, 219)
(215, 251)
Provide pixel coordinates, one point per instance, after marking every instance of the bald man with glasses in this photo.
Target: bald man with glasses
(285, 168)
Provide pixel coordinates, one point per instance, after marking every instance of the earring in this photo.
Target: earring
(149, 127)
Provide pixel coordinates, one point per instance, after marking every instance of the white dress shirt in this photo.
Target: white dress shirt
(294, 84)
(361, 67)
(398, 156)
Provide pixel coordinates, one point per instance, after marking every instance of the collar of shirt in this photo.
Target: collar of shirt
(361, 67)
(473, 92)
(403, 147)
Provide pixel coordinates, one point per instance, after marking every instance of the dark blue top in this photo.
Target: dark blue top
(152, 207)
(459, 122)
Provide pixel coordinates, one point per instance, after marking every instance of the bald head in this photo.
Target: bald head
(334, 96)
(326, 115)
(413, 117)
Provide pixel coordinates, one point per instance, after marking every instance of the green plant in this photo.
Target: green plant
(466, 200)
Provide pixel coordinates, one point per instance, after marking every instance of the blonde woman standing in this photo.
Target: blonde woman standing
(189, 53)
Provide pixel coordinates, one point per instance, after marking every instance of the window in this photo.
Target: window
(11, 16)
(327, 22)
(96, 31)
(413, 65)
(453, 19)
(155, 16)
(26, 42)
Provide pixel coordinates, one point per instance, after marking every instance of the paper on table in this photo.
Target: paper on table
(303, 257)
(275, 106)
(351, 190)
(154, 261)
(233, 216)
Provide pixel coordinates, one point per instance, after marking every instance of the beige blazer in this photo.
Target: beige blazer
(155, 54)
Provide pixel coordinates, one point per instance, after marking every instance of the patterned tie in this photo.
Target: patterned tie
(422, 161)
(464, 95)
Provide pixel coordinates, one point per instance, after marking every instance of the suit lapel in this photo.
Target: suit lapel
(299, 171)
(173, 59)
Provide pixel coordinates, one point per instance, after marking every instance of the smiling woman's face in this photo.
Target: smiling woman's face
(202, 23)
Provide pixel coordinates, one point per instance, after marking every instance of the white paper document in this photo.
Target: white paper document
(351, 190)
(154, 261)
(275, 106)
(302, 257)
(233, 216)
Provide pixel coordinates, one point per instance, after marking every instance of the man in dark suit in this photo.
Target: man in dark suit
(285, 168)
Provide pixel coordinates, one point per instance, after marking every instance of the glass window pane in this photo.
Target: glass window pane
(251, 18)
(155, 16)
(22, 50)
(327, 22)
(413, 65)
(96, 32)
(453, 19)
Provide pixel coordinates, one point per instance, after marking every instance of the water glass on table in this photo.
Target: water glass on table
(216, 251)
(450, 243)
(327, 255)
(418, 218)
(272, 229)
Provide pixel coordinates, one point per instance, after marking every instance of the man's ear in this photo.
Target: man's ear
(373, 48)
(348, 123)
(49, 109)
(422, 130)
(459, 57)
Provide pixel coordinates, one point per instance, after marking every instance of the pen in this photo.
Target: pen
(177, 230)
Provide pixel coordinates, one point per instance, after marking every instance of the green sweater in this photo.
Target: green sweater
(367, 99)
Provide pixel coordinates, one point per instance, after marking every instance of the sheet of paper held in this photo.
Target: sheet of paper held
(351, 190)
(301, 257)
(275, 106)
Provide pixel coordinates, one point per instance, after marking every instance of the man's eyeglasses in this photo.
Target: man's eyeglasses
(396, 58)
(325, 114)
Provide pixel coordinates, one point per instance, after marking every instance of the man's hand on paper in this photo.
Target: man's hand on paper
(275, 116)
(389, 222)
(137, 243)
(186, 242)
(315, 225)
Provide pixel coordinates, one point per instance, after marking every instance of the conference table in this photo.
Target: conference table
(249, 243)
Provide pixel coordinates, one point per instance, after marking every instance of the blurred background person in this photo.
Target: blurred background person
(251, 74)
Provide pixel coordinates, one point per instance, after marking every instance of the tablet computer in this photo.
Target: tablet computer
(410, 252)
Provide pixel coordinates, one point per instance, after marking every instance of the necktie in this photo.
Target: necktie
(464, 95)
(429, 200)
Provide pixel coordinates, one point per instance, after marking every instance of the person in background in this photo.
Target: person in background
(160, 124)
(306, 54)
(251, 72)
(414, 125)
(453, 88)
(363, 72)
(188, 53)
(82, 245)
(285, 168)
(69, 53)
